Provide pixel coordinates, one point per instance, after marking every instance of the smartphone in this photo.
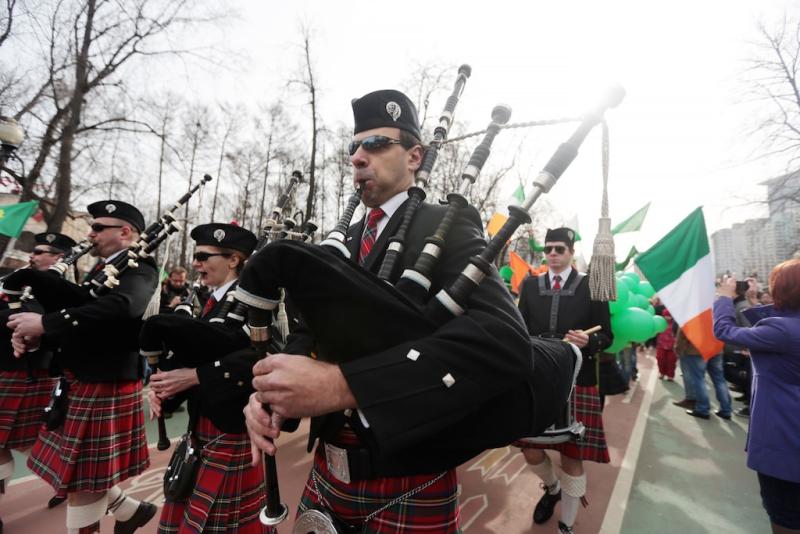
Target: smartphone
(742, 286)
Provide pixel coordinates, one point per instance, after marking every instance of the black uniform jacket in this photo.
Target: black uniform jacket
(39, 359)
(414, 416)
(577, 312)
(225, 383)
(99, 341)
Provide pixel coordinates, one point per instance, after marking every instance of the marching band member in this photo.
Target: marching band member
(557, 304)
(101, 441)
(25, 383)
(228, 492)
(386, 404)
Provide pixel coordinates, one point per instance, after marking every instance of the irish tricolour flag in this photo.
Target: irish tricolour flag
(679, 268)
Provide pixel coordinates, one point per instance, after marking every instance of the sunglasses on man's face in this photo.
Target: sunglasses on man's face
(38, 251)
(203, 256)
(99, 227)
(560, 249)
(373, 143)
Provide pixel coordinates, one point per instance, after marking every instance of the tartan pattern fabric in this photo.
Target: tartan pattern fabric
(22, 407)
(370, 233)
(434, 509)
(229, 493)
(589, 412)
(101, 443)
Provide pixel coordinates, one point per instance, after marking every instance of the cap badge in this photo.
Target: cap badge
(219, 235)
(50, 238)
(571, 234)
(394, 110)
(111, 208)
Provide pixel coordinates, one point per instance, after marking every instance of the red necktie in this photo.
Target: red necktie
(556, 283)
(209, 305)
(370, 233)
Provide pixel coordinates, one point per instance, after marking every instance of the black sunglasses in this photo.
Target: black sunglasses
(560, 249)
(38, 251)
(373, 143)
(203, 256)
(99, 227)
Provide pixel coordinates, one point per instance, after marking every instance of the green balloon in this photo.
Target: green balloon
(506, 273)
(618, 344)
(646, 289)
(650, 309)
(623, 296)
(626, 282)
(638, 301)
(660, 324)
(634, 324)
(634, 277)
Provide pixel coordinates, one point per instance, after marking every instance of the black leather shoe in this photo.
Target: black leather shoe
(742, 398)
(140, 517)
(564, 529)
(55, 500)
(743, 412)
(718, 413)
(685, 403)
(545, 506)
(695, 413)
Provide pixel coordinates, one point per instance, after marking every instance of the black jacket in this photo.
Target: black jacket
(577, 312)
(416, 422)
(98, 340)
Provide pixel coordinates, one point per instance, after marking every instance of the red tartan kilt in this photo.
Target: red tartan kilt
(22, 407)
(434, 509)
(101, 443)
(228, 494)
(589, 412)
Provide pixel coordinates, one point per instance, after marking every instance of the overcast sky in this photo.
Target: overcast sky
(675, 140)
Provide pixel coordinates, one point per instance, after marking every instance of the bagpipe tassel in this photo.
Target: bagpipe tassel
(602, 284)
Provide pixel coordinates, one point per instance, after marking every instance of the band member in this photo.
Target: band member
(557, 304)
(378, 409)
(229, 491)
(102, 440)
(25, 383)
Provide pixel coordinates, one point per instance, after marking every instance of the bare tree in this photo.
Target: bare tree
(772, 79)
(308, 82)
(87, 44)
(7, 20)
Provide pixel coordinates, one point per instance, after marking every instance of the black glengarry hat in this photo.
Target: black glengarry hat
(119, 210)
(567, 235)
(55, 240)
(385, 108)
(225, 236)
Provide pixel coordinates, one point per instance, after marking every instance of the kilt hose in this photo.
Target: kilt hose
(228, 493)
(22, 405)
(589, 412)
(101, 443)
(434, 509)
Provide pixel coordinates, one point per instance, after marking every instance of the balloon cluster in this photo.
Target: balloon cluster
(633, 318)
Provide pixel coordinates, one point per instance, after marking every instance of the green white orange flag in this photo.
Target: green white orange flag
(632, 223)
(680, 270)
(519, 268)
(501, 215)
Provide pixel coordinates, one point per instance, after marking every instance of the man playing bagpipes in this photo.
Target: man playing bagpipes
(227, 492)
(26, 383)
(557, 304)
(101, 440)
(385, 458)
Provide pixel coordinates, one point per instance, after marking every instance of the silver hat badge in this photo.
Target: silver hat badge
(219, 234)
(111, 208)
(394, 110)
(50, 238)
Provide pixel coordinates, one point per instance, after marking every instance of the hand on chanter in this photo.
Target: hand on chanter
(155, 404)
(299, 386)
(167, 384)
(262, 428)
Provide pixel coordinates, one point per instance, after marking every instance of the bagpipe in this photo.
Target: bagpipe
(180, 340)
(352, 313)
(53, 293)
